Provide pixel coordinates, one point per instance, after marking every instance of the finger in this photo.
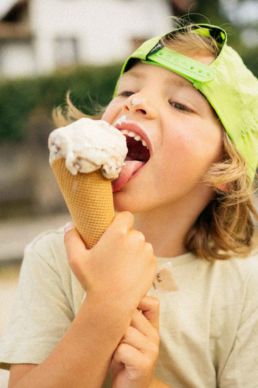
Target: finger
(136, 236)
(138, 340)
(73, 242)
(128, 355)
(123, 222)
(76, 251)
(141, 323)
(150, 308)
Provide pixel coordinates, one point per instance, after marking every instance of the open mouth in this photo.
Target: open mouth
(138, 153)
(137, 147)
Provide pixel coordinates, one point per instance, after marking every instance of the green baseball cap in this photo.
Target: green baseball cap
(228, 85)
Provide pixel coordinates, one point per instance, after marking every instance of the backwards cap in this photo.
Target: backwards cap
(230, 88)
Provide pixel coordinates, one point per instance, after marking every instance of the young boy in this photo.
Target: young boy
(183, 200)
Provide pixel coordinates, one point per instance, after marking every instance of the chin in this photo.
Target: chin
(136, 204)
(122, 202)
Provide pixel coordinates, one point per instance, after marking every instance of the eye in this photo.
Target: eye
(180, 106)
(126, 93)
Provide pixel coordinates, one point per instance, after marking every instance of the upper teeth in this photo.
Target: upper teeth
(132, 134)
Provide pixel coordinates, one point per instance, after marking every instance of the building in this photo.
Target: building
(39, 36)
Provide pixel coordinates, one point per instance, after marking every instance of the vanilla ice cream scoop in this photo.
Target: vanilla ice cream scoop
(88, 145)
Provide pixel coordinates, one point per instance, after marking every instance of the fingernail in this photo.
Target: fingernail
(68, 227)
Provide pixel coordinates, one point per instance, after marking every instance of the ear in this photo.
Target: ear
(223, 187)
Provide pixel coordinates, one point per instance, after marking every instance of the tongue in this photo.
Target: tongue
(129, 169)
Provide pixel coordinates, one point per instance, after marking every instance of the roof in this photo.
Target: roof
(6, 6)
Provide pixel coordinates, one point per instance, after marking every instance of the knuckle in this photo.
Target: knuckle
(149, 249)
(154, 260)
(129, 334)
(121, 234)
(156, 339)
(73, 261)
(147, 364)
(117, 354)
(76, 262)
(135, 237)
(67, 238)
(156, 303)
(125, 216)
(120, 350)
(122, 224)
(72, 258)
(153, 352)
(138, 236)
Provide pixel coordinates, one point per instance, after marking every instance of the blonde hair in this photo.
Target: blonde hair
(225, 228)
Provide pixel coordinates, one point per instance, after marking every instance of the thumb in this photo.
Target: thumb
(150, 308)
(73, 241)
(76, 250)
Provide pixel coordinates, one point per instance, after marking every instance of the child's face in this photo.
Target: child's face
(184, 134)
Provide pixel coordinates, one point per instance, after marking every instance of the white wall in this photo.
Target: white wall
(83, 31)
(17, 59)
(103, 29)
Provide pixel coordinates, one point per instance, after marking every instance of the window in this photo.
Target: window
(66, 51)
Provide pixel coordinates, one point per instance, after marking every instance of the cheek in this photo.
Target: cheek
(107, 114)
(178, 147)
(111, 111)
(192, 151)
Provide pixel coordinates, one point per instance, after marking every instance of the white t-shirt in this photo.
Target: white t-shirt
(208, 326)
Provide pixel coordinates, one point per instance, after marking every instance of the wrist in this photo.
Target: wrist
(125, 306)
(110, 316)
(156, 383)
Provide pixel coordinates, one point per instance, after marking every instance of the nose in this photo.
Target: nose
(140, 105)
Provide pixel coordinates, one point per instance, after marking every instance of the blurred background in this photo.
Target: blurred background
(52, 46)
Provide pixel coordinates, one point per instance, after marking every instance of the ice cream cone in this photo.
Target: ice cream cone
(89, 200)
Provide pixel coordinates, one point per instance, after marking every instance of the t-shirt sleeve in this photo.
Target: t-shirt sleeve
(241, 368)
(41, 312)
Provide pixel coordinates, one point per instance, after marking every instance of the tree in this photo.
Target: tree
(216, 12)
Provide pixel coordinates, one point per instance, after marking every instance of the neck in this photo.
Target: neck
(164, 231)
(166, 228)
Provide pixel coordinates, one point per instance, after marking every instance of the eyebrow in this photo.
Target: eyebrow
(133, 73)
(172, 79)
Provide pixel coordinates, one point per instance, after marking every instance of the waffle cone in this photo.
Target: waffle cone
(89, 200)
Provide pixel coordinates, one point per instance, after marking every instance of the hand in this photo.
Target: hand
(120, 267)
(135, 357)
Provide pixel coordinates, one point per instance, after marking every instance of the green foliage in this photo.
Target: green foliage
(19, 98)
(212, 11)
(250, 58)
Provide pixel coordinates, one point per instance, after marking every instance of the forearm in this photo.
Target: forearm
(158, 384)
(82, 357)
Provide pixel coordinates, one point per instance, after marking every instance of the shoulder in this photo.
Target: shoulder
(227, 282)
(47, 244)
(45, 268)
(235, 273)
(239, 325)
(248, 269)
(47, 252)
(236, 283)
(243, 269)
(48, 240)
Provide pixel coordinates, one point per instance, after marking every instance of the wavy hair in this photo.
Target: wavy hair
(225, 228)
